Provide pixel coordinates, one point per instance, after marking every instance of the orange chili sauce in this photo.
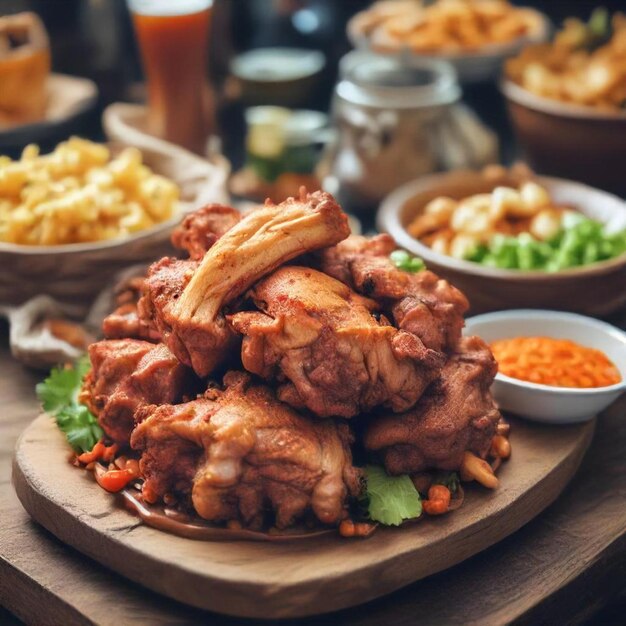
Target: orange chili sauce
(554, 362)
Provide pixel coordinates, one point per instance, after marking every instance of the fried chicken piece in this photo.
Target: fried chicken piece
(124, 322)
(125, 374)
(324, 343)
(166, 281)
(191, 319)
(421, 303)
(336, 261)
(233, 453)
(204, 347)
(168, 277)
(457, 413)
(202, 228)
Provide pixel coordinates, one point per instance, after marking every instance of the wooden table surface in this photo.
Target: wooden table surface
(564, 567)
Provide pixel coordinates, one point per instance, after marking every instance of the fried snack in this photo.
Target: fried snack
(457, 414)
(583, 65)
(202, 228)
(338, 359)
(236, 453)
(459, 227)
(259, 243)
(24, 69)
(124, 321)
(79, 193)
(193, 324)
(125, 374)
(421, 304)
(445, 26)
(349, 329)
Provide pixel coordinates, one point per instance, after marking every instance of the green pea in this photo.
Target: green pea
(407, 263)
(416, 265)
(400, 257)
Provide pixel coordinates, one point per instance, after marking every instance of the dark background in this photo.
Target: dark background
(94, 38)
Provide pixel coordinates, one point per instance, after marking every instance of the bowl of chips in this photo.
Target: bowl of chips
(475, 36)
(567, 102)
(72, 219)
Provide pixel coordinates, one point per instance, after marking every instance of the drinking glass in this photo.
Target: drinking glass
(173, 38)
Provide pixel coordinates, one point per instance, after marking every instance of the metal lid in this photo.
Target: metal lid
(377, 81)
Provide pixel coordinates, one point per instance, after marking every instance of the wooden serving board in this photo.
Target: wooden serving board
(293, 579)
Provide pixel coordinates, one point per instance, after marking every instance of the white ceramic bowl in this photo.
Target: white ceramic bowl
(543, 403)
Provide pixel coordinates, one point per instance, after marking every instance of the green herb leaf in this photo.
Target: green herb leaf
(392, 499)
(61, 388)
(599, 29)
(80, 427)
(59, 397)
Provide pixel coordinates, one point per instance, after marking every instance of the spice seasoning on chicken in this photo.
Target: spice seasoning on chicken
(244, 457)
(555, 362)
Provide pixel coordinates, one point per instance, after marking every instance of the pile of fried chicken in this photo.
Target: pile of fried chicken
(247, 374)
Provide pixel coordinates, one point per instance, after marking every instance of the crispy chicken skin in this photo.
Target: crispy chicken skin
(202, 228)
(202, 346)
(457, 413)
(125, 374)
(191, 319)
(240, 451)
(421, 303)
(168, 278)
(124, 322)
(327, 327)
(322, 341)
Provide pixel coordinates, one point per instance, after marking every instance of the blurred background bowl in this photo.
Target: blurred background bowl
(597, 289)
(567, 140)
(70, 110)
(74, 274)
(477, 66)
(544, 403)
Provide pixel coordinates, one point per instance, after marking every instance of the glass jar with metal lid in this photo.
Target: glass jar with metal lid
(396, 120)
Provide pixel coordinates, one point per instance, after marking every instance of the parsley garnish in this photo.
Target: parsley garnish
(59, 397)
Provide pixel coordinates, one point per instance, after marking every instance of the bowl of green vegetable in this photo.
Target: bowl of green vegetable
(568, 254)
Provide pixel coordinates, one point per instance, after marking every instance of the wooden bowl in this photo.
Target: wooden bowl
(74, 274)
(569, 141)
(597, 289)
